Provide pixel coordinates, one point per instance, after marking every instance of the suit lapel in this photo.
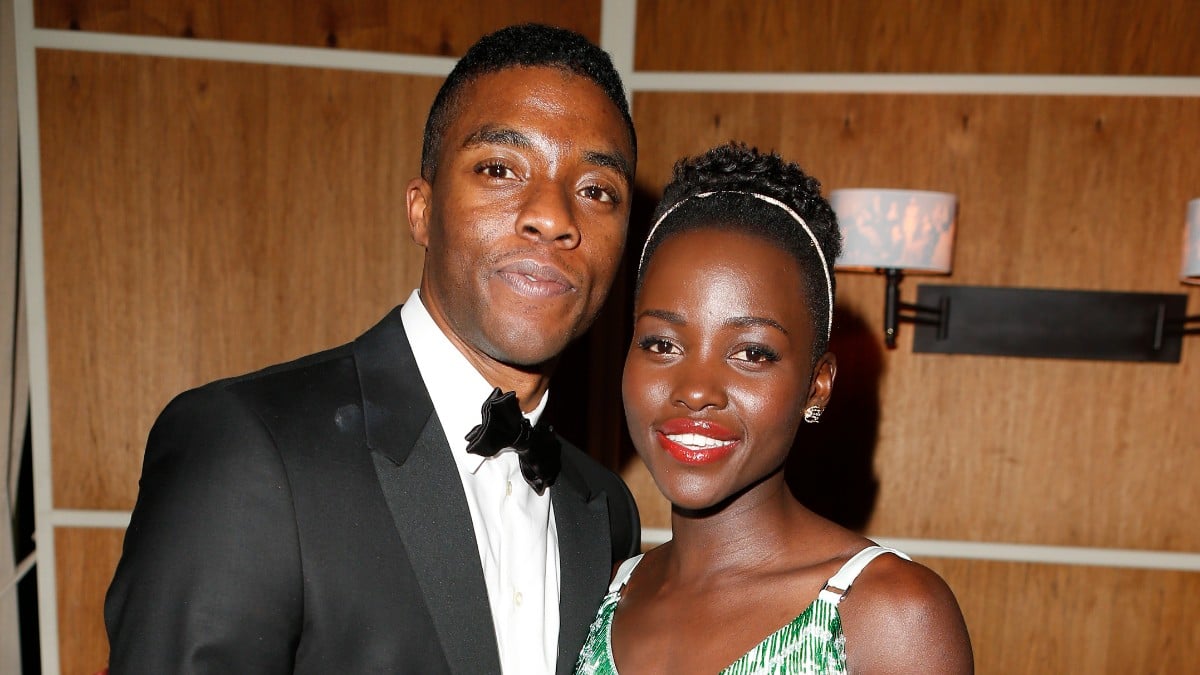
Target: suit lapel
(585, 558)
(425, 496)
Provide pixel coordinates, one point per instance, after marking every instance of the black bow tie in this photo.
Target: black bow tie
(505, 427)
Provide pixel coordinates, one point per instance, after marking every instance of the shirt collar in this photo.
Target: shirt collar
(455, 387)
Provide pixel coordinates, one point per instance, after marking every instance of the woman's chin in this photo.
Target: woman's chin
(699, 498)
(695, 500)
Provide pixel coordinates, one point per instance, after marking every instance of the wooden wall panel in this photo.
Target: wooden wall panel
(1085, 37)
(1069, 192)
(1031, 618)
(202, 220)
(86, 560)
(444, 28)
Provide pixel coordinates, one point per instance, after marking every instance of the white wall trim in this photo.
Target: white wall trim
(117, 520)
(39, 370)
(933, 548)
(1054, 555)
(22, 568)
(243, 52)
(618, 31)
(1027, 553)
(881, 83)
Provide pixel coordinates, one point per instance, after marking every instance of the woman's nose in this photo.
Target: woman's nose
(697, 386)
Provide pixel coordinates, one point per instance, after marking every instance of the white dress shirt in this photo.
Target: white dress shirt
(514, 527)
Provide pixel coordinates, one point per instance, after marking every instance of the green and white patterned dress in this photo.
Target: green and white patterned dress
(811, 644)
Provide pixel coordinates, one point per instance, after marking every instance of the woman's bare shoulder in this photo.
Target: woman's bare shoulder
(900, 616)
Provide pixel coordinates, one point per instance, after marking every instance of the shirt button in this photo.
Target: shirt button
(508, 489)
(518, 598)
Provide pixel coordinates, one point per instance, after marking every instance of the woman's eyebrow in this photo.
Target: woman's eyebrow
(754, 321)
(668, 316)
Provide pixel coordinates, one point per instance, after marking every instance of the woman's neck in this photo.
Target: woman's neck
(745, 534)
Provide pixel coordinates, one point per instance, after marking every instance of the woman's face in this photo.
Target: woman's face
(719, 372)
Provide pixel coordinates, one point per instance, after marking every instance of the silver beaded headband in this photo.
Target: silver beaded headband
(770, 200)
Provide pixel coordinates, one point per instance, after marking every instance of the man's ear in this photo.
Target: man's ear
(821, 389)
(419, 196)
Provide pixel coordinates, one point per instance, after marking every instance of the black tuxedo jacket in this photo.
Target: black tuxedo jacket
(309, 518)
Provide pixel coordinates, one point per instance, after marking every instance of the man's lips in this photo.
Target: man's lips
(529, 277)
(696, 441)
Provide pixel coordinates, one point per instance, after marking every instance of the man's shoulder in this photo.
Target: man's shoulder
(325, 376)
(296, 376)
(278, 383)
(259, 398)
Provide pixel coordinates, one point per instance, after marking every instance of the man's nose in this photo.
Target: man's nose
(548, 217)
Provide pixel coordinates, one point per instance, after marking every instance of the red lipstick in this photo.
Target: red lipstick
(696, 441)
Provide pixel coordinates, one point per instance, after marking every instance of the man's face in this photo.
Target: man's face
(524, 223)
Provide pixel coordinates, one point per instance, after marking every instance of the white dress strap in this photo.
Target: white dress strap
(839, 584)
(623, 572)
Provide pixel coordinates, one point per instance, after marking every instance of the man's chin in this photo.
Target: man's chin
(530, 349)
(538, 358)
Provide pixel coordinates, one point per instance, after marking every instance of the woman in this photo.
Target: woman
(732, 320)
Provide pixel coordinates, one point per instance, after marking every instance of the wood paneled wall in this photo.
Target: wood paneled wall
(1035, 618)
(87, 558)
(1071, 37)
(430, 28)
(202, 219)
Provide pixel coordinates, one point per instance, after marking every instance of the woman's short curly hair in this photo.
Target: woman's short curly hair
(732, 168)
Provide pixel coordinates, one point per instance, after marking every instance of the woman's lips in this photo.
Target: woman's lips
(533, 279)
(696, 441)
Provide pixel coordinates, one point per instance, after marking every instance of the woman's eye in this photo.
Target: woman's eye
(495, 170)
(756, 355)
(600, 194)
(656, 345)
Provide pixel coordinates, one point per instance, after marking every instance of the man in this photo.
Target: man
(325, 515)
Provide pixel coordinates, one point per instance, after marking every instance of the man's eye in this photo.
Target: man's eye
(600, 194)
(495, 170)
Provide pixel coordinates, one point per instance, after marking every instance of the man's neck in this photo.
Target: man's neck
(529, 383)
(530, 386)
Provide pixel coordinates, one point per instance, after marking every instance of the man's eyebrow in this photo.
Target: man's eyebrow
(754, 321)
(497, 136)
(669, 317)
(612, 160)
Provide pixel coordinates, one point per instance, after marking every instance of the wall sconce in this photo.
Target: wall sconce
(893, 232)
(1190, 273)
(899, 231)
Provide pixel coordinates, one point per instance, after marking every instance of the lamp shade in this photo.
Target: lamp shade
(1191, 244)
(910, 230)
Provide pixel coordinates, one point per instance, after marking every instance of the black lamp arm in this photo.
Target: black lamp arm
(1188, 325)
(922, 314)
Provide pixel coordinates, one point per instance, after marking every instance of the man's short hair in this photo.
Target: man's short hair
(525, 45)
